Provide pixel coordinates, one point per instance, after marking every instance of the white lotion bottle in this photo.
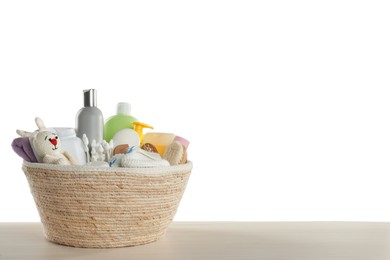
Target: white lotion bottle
(89, 119)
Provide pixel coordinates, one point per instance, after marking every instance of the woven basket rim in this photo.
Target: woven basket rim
(182, 168)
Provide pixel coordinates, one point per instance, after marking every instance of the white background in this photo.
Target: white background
(286, 103)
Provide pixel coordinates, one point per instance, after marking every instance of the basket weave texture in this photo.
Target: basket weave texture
(106, 207)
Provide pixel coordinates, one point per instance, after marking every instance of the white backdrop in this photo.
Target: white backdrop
(286, 103)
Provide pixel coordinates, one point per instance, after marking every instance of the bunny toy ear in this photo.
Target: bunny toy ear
(40, 124)
(24, 133)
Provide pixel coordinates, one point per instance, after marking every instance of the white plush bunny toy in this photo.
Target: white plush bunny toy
(47, 146)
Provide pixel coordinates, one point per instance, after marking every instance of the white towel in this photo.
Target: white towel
(138, 158)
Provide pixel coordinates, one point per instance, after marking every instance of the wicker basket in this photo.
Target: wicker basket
(106, 207)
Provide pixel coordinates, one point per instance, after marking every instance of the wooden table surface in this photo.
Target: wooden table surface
(219, 240)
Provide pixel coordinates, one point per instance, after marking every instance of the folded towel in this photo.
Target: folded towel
(138, 158)
(22, 147)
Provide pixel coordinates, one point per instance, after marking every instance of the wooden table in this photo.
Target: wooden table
(219, 240)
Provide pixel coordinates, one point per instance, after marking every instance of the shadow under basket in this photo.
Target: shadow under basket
(106, 207)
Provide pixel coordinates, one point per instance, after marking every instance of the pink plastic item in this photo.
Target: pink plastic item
(182, 140)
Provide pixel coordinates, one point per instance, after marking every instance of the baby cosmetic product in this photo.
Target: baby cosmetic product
(182, 140)
(159, 140)
(122, 120)
(89, 119)
(139, 128)
(126, 136)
